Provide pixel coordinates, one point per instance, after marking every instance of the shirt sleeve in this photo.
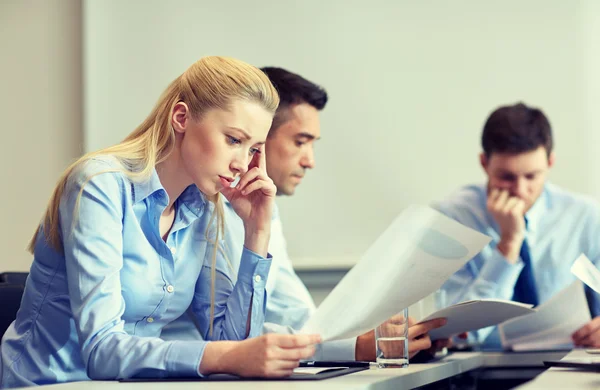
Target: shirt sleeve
(488, 275)
(92, 241)
(234, 302)
(289, 302)
(593, 253)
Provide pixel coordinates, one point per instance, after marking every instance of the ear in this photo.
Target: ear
(551, 159)
(180, 117)
(483, 160)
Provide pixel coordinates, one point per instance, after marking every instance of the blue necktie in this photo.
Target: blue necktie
(525, 290)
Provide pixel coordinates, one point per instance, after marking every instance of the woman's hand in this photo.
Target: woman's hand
(252, 199)
(267, 356)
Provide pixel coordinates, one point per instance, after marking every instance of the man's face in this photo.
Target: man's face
(290, 150)
(523, 175)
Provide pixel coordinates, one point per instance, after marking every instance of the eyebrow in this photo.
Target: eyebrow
(307, 135)
(246, 135)
(503, 172)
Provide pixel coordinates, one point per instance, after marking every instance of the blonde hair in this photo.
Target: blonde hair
(210, 83)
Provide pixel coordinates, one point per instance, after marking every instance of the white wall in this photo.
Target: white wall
(410, 83)
(40, 107)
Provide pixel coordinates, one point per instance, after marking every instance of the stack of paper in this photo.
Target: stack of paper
(411, 259)
(552, 324)
(585, 270)
(476, 314)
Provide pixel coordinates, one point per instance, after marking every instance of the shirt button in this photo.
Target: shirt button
(170, 288)
(150, 319)
(257, 278)
(173, 250)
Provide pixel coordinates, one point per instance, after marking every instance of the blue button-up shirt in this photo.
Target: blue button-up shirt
(289, 304)
(560, 226)
(97, 310)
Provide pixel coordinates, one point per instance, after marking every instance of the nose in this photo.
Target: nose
(520, 187)
(308, 159)
(239, 164)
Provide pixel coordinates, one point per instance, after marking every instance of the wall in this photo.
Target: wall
(41, 110)
(411, 84)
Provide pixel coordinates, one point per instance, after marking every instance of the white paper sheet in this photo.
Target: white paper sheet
(552, 325)
(585, 270)
(476, 314)
(412, 258)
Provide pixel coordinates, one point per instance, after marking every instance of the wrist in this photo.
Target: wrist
(510, 248)
(365, 347)
(257, 241)
(212, 360)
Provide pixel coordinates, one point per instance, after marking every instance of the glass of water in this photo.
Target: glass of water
(391, 341)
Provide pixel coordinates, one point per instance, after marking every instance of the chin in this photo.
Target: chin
(209, 189)
(286, 191)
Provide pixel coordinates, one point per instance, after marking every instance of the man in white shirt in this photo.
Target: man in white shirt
(290, 153)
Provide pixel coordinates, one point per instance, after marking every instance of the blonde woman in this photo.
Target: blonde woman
(133, 236)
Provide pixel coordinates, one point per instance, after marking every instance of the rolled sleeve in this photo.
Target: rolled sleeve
(498, 272)
(184, 357)
(233, 303)
(337, 350)
(254, 270)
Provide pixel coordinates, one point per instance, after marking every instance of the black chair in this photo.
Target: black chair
(10, 296)
(14, 277)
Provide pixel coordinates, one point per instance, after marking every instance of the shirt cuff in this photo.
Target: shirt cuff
(184, 357)
(337, 350)
(254, 269)
(497, 270)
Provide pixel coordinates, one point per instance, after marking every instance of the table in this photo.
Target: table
(379, 379)
(566, 378)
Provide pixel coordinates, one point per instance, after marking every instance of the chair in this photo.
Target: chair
(10, 296)
(14, 277)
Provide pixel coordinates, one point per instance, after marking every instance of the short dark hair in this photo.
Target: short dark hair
(293, 89)
(516, 129)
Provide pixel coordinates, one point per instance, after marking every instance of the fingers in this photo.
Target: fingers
(294, 340)
(519, 208)
(442, 343)
(267, 187)
(262, 158)
(424, 327)
(419, 344)
(295, 354)
(493, 196)
(249, 177)
(509, 205)
(587, 333)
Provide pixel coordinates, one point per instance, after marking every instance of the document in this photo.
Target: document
(552, 324)
(476, 314)
(417, 253)
(587, 272)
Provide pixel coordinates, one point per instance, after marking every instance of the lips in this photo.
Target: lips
(226, 181)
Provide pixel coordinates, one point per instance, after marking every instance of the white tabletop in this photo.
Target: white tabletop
(566, 378)
(390, 378)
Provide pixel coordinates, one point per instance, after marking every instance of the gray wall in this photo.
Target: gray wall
(41, 110)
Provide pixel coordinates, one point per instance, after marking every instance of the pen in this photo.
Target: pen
(334, 363)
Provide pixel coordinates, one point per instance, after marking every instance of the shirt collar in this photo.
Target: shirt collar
(192, 197)
(537, 211)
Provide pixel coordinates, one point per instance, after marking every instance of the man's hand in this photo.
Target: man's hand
(588, 335)
(418, 339)
(509, 213)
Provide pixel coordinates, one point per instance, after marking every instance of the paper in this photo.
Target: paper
(417, 253)
(314, 370)
(585, 270)
(552, 325)
(476, 314)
